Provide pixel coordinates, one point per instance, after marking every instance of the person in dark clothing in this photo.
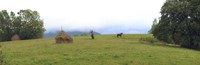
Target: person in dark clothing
(92, 34)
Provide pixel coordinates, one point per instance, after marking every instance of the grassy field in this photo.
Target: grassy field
(104, 50)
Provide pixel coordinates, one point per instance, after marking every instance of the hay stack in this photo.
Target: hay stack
(15, 37)
(63, 37)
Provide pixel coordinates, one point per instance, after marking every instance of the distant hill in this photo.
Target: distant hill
(71, 33)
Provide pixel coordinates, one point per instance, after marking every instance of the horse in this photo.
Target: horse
(119, 35)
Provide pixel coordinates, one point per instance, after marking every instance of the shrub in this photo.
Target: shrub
(148, 39)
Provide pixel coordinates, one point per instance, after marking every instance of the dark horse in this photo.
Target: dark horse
(119, 35)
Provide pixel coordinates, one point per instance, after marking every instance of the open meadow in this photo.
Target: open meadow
(103, 50)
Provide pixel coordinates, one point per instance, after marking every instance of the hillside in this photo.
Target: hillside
(104, 50)
(71, 33)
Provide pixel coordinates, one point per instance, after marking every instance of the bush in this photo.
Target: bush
(84, 34)
(148, 39)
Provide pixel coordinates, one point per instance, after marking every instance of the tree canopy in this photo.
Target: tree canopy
(153, 26)
(180, 23)
(27, 24)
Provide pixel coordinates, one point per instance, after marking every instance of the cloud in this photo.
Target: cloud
(128, 15)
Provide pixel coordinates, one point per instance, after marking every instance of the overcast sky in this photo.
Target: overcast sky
(104, 16)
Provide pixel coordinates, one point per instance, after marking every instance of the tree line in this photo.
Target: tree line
(25, 23)
(179, 23)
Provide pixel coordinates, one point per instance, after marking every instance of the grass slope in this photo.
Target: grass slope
(104, 50)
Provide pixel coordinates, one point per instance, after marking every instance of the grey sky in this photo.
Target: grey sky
(104, 16)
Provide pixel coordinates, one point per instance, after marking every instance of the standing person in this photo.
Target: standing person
(92, 34)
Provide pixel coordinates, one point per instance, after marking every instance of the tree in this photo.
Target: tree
(31, 25)
(153, 25)
(179, 23)
(5, 26)
(27, 24)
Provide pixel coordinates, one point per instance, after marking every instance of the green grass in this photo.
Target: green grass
(104, 50)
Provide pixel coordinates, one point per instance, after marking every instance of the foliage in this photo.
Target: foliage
(84, 34)
(148, 39)
(104, 50)
(179, 23)
(5, 26)
(153, 26)
(27, 24)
